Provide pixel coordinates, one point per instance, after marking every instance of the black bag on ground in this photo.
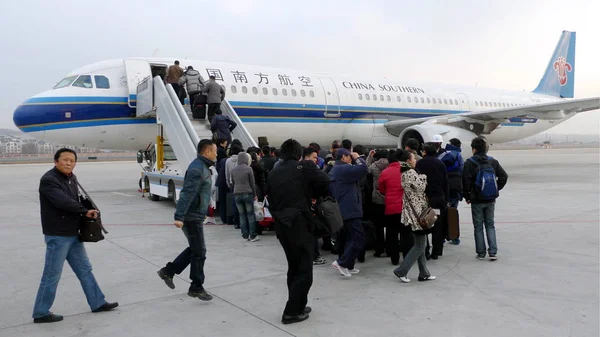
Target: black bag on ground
(90, 230)
(199, 108)
(328, 211)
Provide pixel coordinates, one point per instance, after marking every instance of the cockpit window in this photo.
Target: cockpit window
(65, 82)
(102, 82)
(84, 81)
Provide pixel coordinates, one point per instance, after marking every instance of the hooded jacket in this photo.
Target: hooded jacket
(193, 81)
(454, 166)
(242, 176)
(229, 165)
(390, 185)
(375, 169)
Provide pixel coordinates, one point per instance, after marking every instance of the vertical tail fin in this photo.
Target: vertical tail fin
(559, 78)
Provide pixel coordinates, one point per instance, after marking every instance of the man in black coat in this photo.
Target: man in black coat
(290, 188)
(61, 212)
(437, 193)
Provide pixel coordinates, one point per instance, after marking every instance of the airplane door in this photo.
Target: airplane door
(332, 98)
(464, 102)
(136, 71)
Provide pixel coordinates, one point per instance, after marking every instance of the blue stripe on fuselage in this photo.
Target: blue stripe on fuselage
(49, 113)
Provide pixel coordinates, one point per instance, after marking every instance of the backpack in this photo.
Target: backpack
(328, 211)
(486, 185)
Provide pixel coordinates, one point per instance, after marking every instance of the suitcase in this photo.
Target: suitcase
(453, 224)
(199, 111)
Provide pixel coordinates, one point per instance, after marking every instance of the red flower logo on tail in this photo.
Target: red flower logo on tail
(561, 66)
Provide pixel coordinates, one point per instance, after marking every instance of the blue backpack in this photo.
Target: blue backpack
(486, 185)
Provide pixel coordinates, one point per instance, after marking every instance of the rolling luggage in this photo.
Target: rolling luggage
(453, 223)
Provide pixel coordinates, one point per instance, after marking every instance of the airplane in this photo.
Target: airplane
(95, 106)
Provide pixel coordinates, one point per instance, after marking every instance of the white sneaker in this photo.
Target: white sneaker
(344, 271)
(404, 279)
(254, 239)
(354, 271)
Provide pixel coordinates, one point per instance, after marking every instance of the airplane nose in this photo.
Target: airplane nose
(22, 116)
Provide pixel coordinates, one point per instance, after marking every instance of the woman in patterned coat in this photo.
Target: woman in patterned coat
(414, 195)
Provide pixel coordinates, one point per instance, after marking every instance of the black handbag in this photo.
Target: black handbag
(90, 230)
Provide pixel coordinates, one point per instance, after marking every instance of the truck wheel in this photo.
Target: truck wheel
(150, 195)
(172, 193)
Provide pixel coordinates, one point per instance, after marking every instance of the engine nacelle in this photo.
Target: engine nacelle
(424, 132)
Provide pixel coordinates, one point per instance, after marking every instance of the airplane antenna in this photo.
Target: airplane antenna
(155, 51)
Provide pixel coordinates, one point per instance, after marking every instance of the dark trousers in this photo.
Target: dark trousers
(438, 236)
(298, 244)
(212, 110)
(378, 218)
(177, 88)
(355, 242)
(194, 255)
(392, 247)
(222, 205)
(407, 240)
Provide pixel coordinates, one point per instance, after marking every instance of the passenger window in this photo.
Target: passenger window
(302, 93)
(374, 97)
(244, 89)
(416, 99)
(275, 91)
(265, 91)
(102, 82)
(456, 102)
(422, 100)
(381, 98)
(476, 103)
(389, 98)
(495, 105)
(312, 93)
(255, 90)
(445, 101)
(428, 100)
(294, 92)
(284, 92)
(65, 82)
(360, 96)
(233, 89)
(408, 98)
(367, 96)
(84, 81)
(399, 99)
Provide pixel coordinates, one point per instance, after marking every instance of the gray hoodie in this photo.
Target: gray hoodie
(375, 169)
(242, 176)
(229, 165)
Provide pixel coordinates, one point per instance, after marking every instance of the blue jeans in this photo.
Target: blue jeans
(484, 214)
(245, 206)
(59, 249)
(355, 242)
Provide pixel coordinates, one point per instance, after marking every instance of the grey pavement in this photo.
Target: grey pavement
(545, 283)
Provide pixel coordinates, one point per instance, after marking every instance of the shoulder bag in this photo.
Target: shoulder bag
(90, 230)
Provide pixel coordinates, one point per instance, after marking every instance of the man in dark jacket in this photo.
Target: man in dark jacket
(290, 188)
(345, 188)
(61, 212)
(482, 206)
(192, 206)
(267, 162)
(222, 125)
(221, 151)
(437, 193)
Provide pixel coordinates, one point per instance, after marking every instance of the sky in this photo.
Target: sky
(497, 44)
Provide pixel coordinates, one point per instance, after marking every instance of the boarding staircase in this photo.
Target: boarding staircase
(182, 131)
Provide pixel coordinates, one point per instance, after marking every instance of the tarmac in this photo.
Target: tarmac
(545, 282)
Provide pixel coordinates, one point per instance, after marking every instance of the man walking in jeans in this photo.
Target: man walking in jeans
(61, 212)
(193, 203)
(483, 178)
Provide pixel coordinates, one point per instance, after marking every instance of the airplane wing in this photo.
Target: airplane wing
(551, 111)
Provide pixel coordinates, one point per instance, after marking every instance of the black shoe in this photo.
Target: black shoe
(202, 294)
(294, 319)
(361, 259)
(50, 318)
(106, 307)
(307, 309)
(396, 262)
(434, 256)
(377, 254)
(165, 277)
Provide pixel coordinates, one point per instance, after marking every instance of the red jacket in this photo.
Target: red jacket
(390, 185)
